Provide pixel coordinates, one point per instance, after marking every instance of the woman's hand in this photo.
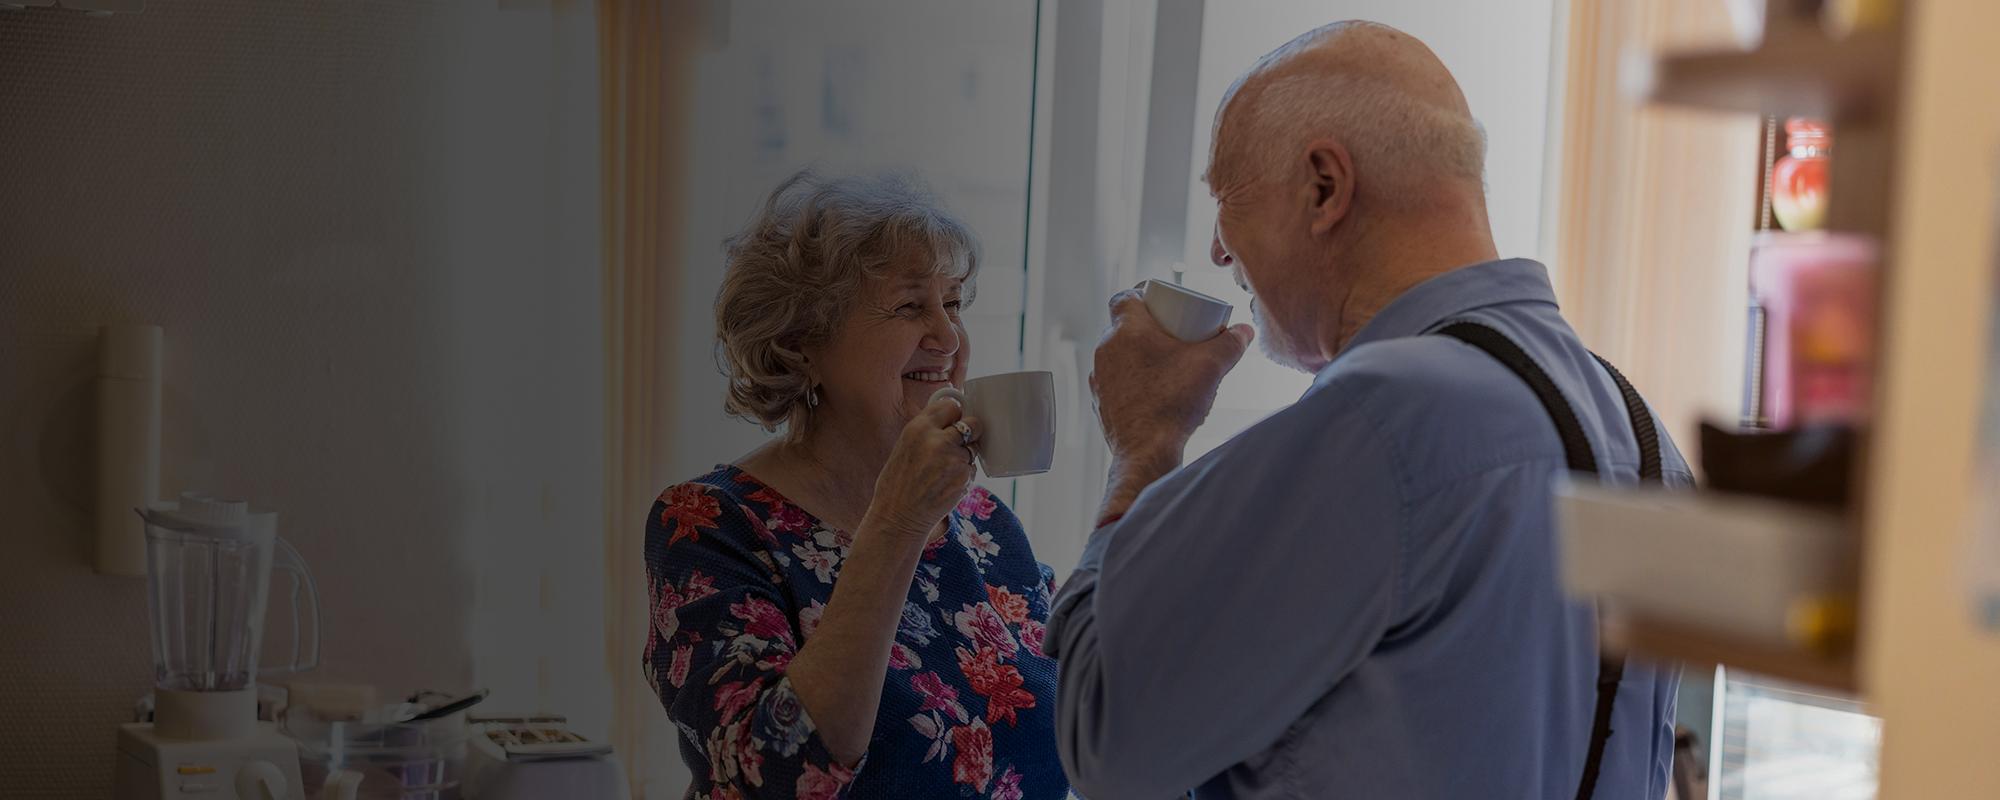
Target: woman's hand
(928, 471)
(839, 673)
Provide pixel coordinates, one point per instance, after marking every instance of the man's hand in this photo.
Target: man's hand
(1151, 391)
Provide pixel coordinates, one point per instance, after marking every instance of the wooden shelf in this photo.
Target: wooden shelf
(1665, 640)
(1794, 74)
(1714, 561)
(1906, 104)
(1711, 578)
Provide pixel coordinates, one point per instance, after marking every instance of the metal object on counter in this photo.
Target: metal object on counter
(449, 706)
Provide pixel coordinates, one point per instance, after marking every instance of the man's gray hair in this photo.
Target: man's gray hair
(1398, 142)
(797, 268)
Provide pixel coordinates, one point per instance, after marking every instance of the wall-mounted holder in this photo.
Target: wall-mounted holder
(128, 444)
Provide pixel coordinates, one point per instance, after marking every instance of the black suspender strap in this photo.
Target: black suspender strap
(1643, 428)
(1576, 450)
(1575, 446)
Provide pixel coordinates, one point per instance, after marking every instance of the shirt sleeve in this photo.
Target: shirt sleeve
(718, 647)
(1232, 596)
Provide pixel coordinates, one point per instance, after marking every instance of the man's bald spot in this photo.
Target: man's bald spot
(1353, 48)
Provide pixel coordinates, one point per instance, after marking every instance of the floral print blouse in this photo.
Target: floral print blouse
(739, 577)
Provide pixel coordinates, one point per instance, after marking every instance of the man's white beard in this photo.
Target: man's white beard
(1271, 340)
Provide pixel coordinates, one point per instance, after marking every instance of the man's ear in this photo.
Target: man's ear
(1331, 173)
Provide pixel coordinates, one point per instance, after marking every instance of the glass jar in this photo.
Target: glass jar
(1799, 179)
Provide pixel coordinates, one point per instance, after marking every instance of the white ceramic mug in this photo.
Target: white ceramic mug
(1187, 314)
(1017, 418)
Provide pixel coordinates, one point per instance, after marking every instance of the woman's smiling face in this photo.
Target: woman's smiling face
(900, 342)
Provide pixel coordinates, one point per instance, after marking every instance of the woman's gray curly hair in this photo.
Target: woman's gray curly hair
(795, 270)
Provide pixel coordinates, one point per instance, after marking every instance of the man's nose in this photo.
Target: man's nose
(1216, 254)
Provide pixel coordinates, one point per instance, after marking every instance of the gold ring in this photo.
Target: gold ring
(964, 432)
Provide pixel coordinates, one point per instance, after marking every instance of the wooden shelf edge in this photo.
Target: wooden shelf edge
(1665, 640)
(1790, 75)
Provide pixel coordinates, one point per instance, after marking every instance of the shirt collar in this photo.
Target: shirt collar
(1428, 304)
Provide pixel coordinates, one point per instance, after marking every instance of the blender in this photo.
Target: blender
(208, 569)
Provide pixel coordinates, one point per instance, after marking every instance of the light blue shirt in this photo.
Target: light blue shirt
(1359, 595)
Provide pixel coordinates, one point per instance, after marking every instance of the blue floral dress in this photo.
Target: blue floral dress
(739, 577)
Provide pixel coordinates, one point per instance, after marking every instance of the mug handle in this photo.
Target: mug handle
(951, 392)
(954, 393)
(286, 558)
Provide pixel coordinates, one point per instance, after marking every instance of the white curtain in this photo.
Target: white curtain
(645, 56)
(1655, 210)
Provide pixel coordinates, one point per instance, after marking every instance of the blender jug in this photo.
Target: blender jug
(208, 568)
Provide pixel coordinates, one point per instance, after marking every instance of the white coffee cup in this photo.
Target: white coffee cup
(1017, 420)
(1187, 314)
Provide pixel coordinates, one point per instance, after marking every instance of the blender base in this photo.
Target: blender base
(155, 767)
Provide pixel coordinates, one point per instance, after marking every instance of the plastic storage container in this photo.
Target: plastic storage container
(394, 761)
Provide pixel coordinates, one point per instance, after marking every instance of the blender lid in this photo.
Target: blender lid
(196, 512)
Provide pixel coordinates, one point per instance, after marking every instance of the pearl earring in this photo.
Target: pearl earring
(812, 397)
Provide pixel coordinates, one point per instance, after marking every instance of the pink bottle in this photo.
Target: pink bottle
(1818, 294)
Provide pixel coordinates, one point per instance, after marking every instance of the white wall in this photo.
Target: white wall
(369, 232)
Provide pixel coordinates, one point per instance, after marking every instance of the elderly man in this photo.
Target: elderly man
(1358, 596)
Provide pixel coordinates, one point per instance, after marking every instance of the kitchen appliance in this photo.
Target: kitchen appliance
(526, 757)
(208, 568)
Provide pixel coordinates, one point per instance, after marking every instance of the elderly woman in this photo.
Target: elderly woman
(840, 613)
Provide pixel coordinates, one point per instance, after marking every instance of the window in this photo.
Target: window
(945, 92)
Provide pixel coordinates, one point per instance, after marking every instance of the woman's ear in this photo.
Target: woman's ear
(809, 364)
